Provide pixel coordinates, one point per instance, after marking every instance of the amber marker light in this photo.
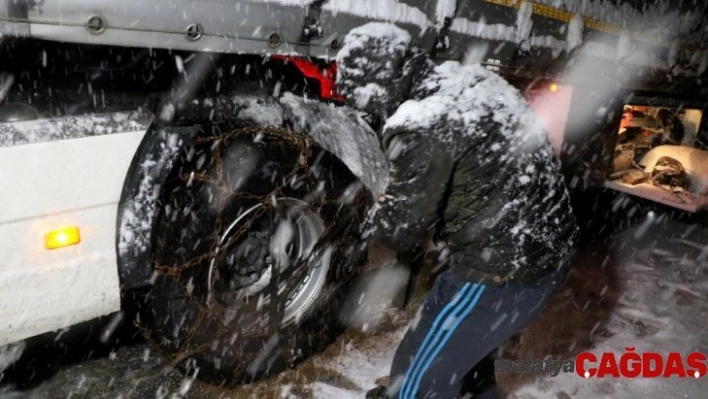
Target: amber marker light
(63, 237)
(553, 87)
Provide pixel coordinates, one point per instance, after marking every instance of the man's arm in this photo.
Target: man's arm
(420, 173)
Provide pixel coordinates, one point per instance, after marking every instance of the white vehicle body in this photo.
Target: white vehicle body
(50, 185)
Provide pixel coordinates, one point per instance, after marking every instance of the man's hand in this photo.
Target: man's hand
(419, 173)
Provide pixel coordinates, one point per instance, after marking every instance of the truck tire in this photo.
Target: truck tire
(239, 290)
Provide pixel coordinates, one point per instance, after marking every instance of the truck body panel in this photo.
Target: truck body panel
(53, 185)
(537, 38)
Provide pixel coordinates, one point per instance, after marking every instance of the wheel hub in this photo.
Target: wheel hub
(245, 263)
(276, 242)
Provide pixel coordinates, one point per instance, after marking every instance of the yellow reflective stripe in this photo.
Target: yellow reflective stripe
(508, 3)
(551, 12)
(566, 16)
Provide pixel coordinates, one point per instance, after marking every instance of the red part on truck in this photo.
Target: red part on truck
(310, 69)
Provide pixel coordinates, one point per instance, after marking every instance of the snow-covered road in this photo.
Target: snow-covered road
(644, 288)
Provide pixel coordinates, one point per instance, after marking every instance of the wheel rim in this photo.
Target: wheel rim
(294, 238)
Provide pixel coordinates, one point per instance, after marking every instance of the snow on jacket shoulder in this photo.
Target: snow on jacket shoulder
(467, 147)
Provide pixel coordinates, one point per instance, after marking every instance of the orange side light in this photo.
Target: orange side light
(553, 87)
(63, 237)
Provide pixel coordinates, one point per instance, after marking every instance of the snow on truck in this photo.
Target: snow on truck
(198, 152)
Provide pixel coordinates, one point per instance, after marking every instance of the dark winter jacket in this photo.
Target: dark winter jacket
(466, 153)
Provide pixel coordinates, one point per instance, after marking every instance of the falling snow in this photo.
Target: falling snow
(643, 287)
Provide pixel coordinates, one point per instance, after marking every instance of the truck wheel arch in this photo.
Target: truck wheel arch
(338, 129)
(151, 163)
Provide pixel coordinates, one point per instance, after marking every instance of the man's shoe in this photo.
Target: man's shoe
(377, 393)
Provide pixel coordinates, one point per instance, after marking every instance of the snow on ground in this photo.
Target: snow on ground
(363, 366)
(656, 302)
(644, 288)
(365, 358)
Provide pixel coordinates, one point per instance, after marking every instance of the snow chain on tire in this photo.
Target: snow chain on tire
(210, 314)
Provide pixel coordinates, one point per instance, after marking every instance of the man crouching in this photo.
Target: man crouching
(468, 158)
